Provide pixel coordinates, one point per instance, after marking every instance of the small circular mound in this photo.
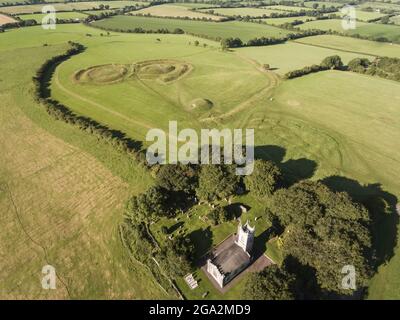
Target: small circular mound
(201, 104)
(105, 74)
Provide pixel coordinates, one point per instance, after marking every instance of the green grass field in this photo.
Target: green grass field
(37, 8)
(395, 20)
(292, 56)
(168, 10)
(327, 4)
(353, 45)
(61, 15)
(381, 5)
(251, 12)
(362, 28)
(63, 190)
(243, 30)
(61, 193)
(290, 8)
(279, 21)
(367, 15)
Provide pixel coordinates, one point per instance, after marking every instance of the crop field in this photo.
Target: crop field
(64, 191)
(353, 45)
(167, 10)
(60, 15)
(5, 19)
(375, 30)
(37, 8)
(243, 30)
(292, 56)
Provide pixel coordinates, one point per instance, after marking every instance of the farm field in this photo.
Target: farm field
(60, 15)
(292, 55)
(5, 19)
(167, 10)
(64, 186)
(290, 8)
(327, 4)
(395, 20)
(61, 196)
(366, 16)
(243, 30)
(37, 8)
(373, 30)
(380, 5)
(279, 21)
(353, 45)
(251, 12)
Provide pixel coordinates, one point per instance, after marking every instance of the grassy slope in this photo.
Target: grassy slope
(291, 55)
(299, 128)
(243, 30)
(59, 204)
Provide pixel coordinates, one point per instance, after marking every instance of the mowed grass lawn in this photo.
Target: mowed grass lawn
(60, 15)
(353, 45)
(375, 30)
(291, 55)
(243, 30)
(70, 6)
(168, 10)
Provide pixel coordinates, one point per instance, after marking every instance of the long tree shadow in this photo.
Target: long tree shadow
(294, 170)
(382, 208)
(202, 240)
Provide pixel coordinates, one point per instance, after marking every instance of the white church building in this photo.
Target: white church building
(232, 256)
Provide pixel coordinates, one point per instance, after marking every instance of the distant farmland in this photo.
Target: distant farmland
(175, 11)
(373, 30)
(5, 19)
(70, 6)
(38, 17)
(251, 12)
(244, 30)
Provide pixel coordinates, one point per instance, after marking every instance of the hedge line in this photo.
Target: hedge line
(58, 111)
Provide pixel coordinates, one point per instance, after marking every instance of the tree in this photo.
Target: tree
(149, 205)
(196, 43)
(358, 65)
(273, 283)
(332, 62)
(264, 180)
(178, 177)
(216, 182)
(325, 230)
